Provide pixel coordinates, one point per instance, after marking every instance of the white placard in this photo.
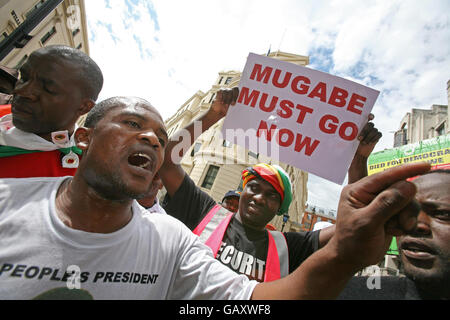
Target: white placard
(300, 116)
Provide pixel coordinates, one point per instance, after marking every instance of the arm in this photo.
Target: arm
(368, 138)
(364, 229)
(325, 235)
(189, 204)
(171, 172)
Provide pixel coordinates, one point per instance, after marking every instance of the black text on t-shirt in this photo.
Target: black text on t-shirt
(241, 262)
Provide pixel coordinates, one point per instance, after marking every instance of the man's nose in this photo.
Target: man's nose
(423, 223)
(150, 137)
(26, 89)
(259, 198)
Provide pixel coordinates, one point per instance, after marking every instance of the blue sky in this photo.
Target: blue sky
(165, 51)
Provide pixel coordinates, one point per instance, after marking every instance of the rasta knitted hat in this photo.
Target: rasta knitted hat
(277, 177)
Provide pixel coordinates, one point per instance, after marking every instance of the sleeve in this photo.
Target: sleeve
(198, 276)
(189, 204)
(301, 245)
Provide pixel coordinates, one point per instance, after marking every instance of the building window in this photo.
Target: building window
(210, 177)
(75, 32)
(23, 41)
(221, 78)
(212, 97)
(79, 46)
(35, 7)
(16, 18)
(3, 36)
(48, 35)
(228, 80)
(195, 149)
(440, 130)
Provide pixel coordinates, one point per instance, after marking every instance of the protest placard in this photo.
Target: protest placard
(435, 151)
(300, 116)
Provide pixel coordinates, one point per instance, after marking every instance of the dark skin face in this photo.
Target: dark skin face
(125, 151)
(425, 252)
(258, 204)
(6, 85)
(231, 204)
(149, 200)
(120, 158)
(49, 96)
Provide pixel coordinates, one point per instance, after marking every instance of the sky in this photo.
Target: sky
(165, 51)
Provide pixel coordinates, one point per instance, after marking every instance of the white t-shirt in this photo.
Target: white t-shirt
(153, 257)
(156, 208)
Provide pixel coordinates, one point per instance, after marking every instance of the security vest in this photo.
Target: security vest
(212, 229)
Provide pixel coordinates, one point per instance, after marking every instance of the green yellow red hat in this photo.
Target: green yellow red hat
(277, 177)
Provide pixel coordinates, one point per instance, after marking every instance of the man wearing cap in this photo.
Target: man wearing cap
(230, 200)
(241, 240)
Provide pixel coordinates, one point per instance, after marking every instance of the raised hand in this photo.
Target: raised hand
(223, 100)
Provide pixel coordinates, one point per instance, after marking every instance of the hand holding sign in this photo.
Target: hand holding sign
(368, 138)
(300, 116)
(223, 100)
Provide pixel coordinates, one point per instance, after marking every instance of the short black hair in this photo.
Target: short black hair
(89, 71)
(103, 107)
(100, 109)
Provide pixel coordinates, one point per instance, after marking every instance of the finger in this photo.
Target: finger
(377, 137)
(365, 131)
(371, 116)
(372, 136)
(367, 188)
(390, 202)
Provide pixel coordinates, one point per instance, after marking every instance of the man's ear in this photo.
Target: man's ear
(86, 106)
(82, 137)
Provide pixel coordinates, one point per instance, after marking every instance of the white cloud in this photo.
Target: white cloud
(323, 193)
(167, 50)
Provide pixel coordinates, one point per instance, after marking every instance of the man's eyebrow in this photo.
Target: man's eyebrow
(435, 204)
(140, 116)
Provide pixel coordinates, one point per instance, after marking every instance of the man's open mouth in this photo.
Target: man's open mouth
(140, 160)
